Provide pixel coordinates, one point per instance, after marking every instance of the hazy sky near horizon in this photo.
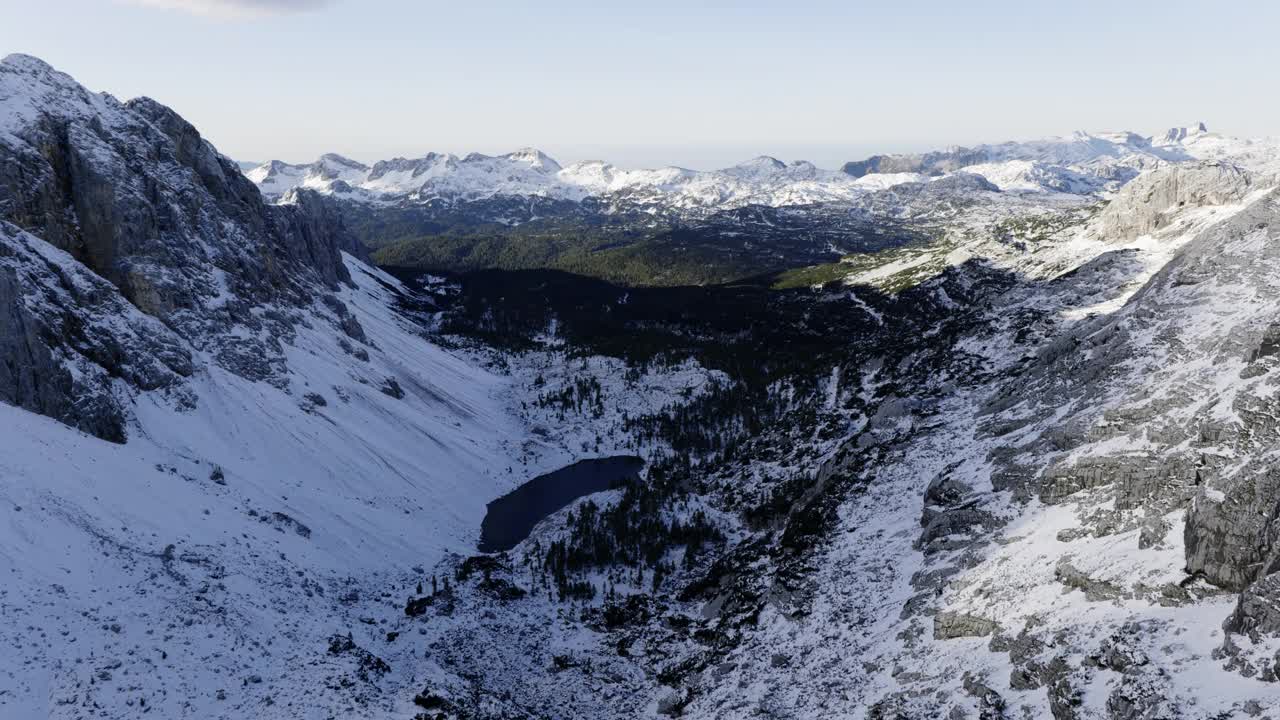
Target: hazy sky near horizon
(699, 84)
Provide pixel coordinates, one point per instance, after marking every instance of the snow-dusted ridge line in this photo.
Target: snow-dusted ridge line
(529, 172)
(1081, 164)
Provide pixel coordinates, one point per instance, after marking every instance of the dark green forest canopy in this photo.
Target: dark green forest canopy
(629, 249)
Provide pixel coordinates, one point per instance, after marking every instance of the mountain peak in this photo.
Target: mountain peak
(1178, 134)
(30, 63)
(31, 88)
(762, 162)
(346, 162)
(535, 159)
(759, 167)
(41, 72)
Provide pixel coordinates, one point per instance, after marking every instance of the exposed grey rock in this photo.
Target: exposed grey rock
(1094, 590)
(991, 705)
(134, 194)
(66, 337)
(1024, 678)
(1154, 530)
(1268, 344)
(1141, 696)
(941, 525)
(1120, 652)
(392, 388)
(1257, 612)
(948, 625)
(933, 163)
(318, 227)
(1149, 202)
(1024, 651)
(347, 322)
(1065, 695)
(946, 491)
(314, 400)
(1223, 530)
(1140, 482)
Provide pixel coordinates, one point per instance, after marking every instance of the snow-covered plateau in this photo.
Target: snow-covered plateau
(1022, 465)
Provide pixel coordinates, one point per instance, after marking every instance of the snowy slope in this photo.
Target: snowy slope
(216, 533)
(1083, 600)
(276, 178)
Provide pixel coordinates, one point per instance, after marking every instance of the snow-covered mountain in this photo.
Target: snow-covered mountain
(1021, 466)
(530, 172)
(1082, 164)
(277, 178)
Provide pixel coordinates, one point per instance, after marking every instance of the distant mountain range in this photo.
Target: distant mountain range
(678, 226)
(1083, 163)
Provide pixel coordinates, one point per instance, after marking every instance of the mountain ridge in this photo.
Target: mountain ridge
(1081, 163)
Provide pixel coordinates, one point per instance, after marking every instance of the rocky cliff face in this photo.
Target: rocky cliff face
(1151, 202)
(66, 335)
(132, 192)
(932, 163)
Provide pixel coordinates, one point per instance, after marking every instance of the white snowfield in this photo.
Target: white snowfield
(1080, 164)
(214, 545)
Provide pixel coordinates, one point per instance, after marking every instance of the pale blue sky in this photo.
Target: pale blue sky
(699, 84)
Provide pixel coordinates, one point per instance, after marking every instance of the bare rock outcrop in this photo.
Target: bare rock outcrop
(1151, 201)
(135, 197)
(66, 336)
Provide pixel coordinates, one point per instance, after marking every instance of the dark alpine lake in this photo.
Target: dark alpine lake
(512, 517)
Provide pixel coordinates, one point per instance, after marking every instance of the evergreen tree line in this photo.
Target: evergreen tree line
(638, 532)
